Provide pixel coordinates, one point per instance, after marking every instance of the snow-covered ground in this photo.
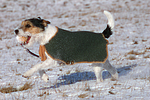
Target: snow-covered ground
(129, 50)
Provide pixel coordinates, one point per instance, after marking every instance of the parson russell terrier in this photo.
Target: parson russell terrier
(60, 47)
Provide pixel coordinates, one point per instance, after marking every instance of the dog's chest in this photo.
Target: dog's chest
(77, 47)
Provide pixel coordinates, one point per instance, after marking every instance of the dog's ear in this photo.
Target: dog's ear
(39, 18)
(45, 22)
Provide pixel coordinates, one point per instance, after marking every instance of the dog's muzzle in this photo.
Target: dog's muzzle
(22, 39)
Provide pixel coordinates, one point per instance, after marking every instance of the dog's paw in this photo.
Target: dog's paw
(25, 76)
(99, 79)
(45, 77)
(115, 77)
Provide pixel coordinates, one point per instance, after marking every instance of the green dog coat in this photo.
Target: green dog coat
(77, 47)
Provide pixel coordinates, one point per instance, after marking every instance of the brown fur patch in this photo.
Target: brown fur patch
(42, 53)
(45, 22)
(32, 29)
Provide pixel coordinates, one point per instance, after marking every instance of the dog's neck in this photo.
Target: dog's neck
(49, 32)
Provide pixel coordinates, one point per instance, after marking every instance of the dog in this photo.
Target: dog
(60, 47)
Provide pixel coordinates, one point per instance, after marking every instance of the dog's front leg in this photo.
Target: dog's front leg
(32, 70)
(40, 67)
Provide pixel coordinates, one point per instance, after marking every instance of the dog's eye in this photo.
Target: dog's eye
(28, 26)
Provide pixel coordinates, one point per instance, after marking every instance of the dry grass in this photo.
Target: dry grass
(147, 56)
(148, 79)
(131, 58)
(64, 95)
(82, 95)
(44, 93)
(111, 92)
(68, 72)
(87, 87)
(10, 89)
(136, 53)
(132, 54)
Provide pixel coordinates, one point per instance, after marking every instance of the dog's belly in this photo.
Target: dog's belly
(78, 47)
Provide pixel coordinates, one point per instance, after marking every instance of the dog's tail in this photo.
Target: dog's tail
(110, 25)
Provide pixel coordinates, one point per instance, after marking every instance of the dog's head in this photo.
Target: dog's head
(29, 30)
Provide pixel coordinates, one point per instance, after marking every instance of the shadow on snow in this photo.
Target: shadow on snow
(85, 76)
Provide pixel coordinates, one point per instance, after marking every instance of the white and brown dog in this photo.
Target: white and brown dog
(67, 47)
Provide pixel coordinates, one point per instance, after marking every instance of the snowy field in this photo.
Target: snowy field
(129, 50)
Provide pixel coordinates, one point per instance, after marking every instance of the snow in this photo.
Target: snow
(131, 33)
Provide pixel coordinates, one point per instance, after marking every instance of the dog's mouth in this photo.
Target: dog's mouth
(24, 40)
(27, 40)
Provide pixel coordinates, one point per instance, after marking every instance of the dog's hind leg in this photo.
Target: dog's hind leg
(112, 70)
(98, 73)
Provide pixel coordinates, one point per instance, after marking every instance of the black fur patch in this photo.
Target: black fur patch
(38, 22)
(107, 32)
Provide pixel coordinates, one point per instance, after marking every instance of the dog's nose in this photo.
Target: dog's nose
(16, 31)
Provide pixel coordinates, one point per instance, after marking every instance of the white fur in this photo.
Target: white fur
(110, 19)
(98, 73)
(50, 31)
